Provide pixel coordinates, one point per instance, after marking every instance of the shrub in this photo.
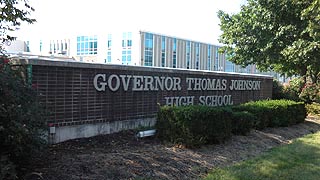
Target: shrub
(242, 122)
(261, 114)
(277, 90)
(310, 93)
(194, 125)
(197, 125)
(293, 89)
(313, 109)
(22, 122)
(274, 113)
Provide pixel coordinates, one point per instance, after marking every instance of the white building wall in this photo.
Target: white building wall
(137, 50)
(15, 46)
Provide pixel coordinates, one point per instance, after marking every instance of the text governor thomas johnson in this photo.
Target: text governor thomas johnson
(114, 82)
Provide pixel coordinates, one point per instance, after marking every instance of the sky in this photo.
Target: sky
(187, 19)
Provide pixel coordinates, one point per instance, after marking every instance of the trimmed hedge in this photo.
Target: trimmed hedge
(197, 125)
(194, 125)
(275, 113)
(242, 122)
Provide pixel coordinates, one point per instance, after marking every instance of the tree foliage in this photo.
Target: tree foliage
(22, 121)
(13, 13)
(278, 35)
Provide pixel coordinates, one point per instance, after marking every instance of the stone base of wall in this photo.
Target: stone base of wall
(65, 133)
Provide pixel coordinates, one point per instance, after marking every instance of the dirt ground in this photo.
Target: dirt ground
(122, 156)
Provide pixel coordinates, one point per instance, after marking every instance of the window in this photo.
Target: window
(229, 66)
(197, 55)
(129, 43)
(217, 64)
(163, 51)
(40, 45)
(188, 56)
(124, 43)
(148, 50)
(109, 57)
(129, 59)
(28, 46)
(126, 39)
(126, 57)
(129, 39)
(174, 53)
(87, 45)
(109, 40)
(209, 58)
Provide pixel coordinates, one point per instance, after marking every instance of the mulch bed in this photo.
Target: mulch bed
(123, 156)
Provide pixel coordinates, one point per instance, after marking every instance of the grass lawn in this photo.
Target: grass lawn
(299, 160)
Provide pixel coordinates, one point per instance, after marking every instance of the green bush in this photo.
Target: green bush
(313, 109)
(310, 93)
(261, 114)
(197, 125)
(293, 89)
(22, 123)
(194, 125)
(274, 113)
(277, 90)
(242, 122)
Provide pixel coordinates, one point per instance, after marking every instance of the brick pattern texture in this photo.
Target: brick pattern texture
(71, 98)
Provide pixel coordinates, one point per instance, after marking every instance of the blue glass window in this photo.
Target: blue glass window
(163, 51)
(229, 66)
(124, 59)
(87, 45)
(129, 43)
(109, 40)
(197, 55)
(209, 58)
(148, 50)
(28, 46)
(188, 56)
(126, 39)
(129, 59)
(124, 43)
(217, 64)
(109, 56)
(40, 45)
(174, 56)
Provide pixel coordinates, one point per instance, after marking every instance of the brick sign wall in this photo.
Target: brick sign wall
(81, 93)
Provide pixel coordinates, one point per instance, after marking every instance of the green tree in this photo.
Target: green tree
(278, 35)
(13, 13)
(22, 121)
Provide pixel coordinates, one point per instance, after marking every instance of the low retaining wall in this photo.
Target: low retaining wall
(90, 99)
